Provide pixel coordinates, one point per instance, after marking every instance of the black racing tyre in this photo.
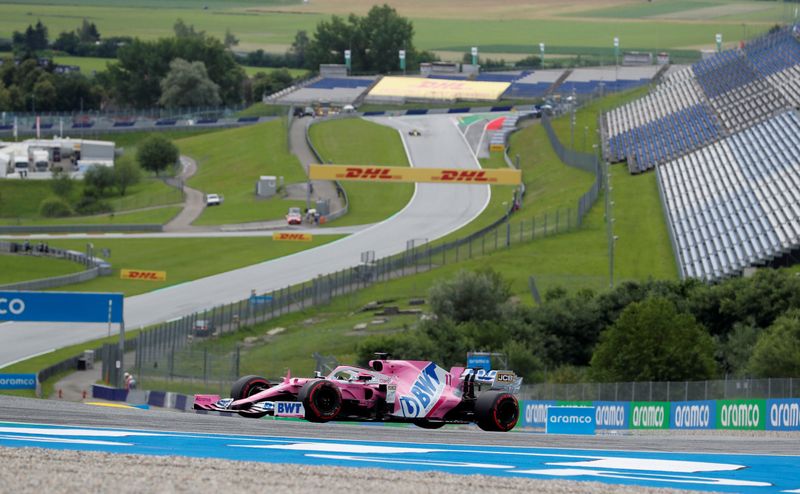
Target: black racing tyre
(248, 386)
(496, 411)
(321, 399)
(429, 424)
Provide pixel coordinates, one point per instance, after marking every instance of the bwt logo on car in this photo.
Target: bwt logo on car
(425, 392)
(739, 415)
(610, 416)
(462, 176)
(13, 306)
(648, 416)
(692, 416)
(289, 409)
(784, 415)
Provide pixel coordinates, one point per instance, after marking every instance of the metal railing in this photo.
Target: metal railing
(582, 161)
(339, 189)
(666, 391)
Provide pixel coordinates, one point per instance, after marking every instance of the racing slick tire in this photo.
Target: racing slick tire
(429, 424)
(496, 411)
(321, 399)
(248, 386)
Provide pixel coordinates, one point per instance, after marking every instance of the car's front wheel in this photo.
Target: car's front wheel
(248, 386)
(321, 399)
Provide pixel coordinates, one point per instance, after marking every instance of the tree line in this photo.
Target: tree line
(193, 68)
(638, 331)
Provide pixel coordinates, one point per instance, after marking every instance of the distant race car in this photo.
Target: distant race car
(414, 132)
(294, 217)
(417, 392)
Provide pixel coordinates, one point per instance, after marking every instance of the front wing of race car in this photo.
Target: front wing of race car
(214, 403)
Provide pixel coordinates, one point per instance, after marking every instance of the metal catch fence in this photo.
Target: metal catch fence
(666, 391)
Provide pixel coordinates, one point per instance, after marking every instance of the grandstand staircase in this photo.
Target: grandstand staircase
(558, 82)
(357, 102)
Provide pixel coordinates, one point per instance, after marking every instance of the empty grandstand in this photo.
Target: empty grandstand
(714, 98)
(736, 202)
(339, 90)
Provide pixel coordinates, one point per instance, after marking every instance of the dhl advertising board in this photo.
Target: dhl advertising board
(291, 237)
(391, 174)
(423, 88)
(142, 274)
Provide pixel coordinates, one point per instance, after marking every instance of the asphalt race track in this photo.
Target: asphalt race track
(763, 463)
(434, 211)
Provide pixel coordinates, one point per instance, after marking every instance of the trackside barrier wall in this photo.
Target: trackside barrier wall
(95, 266)
(752, 414)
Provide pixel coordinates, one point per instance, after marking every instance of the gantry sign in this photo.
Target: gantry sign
(404, 174)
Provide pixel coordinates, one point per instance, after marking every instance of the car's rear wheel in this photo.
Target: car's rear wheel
(496, 411)
(321, 399)
(248, 386)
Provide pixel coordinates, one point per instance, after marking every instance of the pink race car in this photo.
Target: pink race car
(411, 391)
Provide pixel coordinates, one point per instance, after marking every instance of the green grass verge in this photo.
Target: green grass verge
(184, 259)
(638, 11)
(261, 110)
(354, 141)
(20, 200)
(251, 71)
(230, 163)
(15, 268)
(88, 65)
(150, 216)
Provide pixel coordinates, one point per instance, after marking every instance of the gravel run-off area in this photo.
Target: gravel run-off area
(50, 470)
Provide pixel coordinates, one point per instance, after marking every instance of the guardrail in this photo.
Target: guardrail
(96, 266)
(17, 229)
(339, 189)
(582, 161)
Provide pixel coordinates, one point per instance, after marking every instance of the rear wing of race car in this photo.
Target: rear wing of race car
(501, 380)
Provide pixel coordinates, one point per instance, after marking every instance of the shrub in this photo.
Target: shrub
(55, 207)
(90, 204)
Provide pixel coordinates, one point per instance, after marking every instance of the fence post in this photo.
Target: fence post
(205, 366)
(545, 223)
(172, 362)
(557, 219)
(495, 238)
(508, 234)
